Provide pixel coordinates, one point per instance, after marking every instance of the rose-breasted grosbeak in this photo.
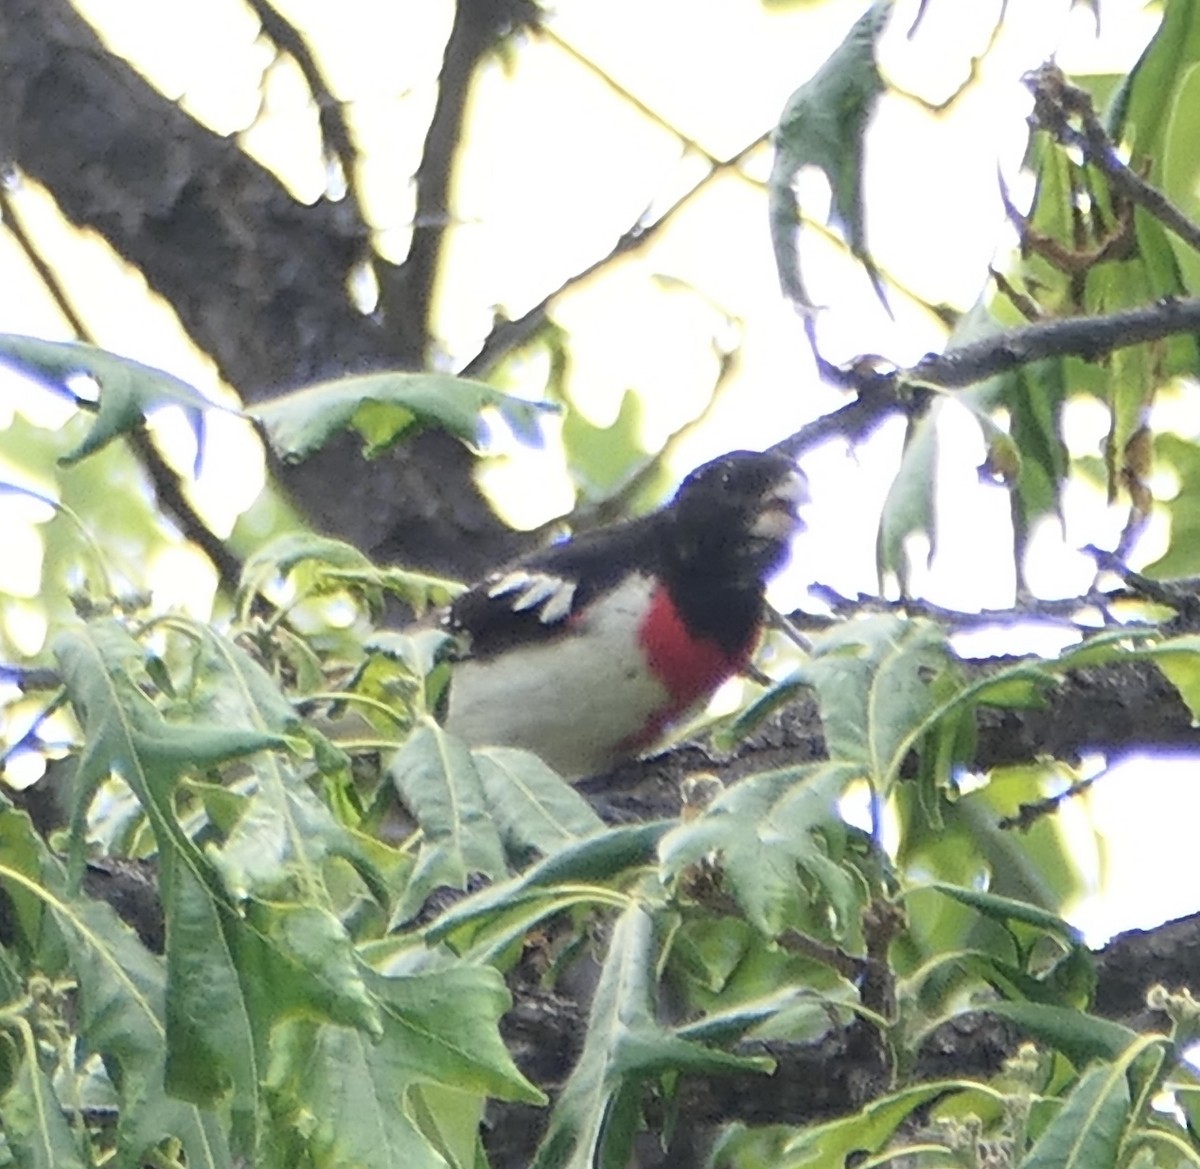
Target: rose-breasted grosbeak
(586, 651)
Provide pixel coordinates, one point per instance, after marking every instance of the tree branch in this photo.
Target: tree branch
(257, 279)
(1086, 337)
(334, 127)
(167, 485)
(1057, 104)
(510, 335)
(406, 292)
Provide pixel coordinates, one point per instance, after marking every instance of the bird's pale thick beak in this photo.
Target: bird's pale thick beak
(779, 514)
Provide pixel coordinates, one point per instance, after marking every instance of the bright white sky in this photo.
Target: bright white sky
(558, 166)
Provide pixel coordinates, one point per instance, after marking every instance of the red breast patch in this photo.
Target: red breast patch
(690, 667)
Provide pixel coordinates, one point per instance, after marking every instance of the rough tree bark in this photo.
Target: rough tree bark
(258, 281)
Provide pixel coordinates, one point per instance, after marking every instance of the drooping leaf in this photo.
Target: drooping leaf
(878, 679)
(121, 1017)
(824, 125)
(1087, 1132)
(128, 389)
(909, 508)
(356, 1095)
(532, 805)
(437, 779)
(596, 1116)
(1164, 80)
(383, 408)
(33, 1119)
(777, 838)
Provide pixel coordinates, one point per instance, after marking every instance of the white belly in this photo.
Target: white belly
(565, 700)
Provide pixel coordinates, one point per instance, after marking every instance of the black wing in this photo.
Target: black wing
(534, 598)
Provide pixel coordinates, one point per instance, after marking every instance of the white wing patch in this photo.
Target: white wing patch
(550, 595)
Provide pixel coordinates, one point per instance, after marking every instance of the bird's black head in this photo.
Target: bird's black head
(735, 517)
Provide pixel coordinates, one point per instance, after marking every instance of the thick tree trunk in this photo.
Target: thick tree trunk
(258, 279)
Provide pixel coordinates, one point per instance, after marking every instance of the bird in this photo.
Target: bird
(588, 651)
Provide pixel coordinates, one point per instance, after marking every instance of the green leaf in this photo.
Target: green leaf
(778, 836)
(908, 509)
(122, 991)
(1165, 81)
(603, 459)
(597, 860)
(1182, 556)
(437, 779)
(128, 389)
(869, 1129)
(383, 408)
(1179, 660)
(824, 125)
(595, 1119)
(532, 805)
(126, 733)
(279, 558)
(33, 1120)
(1087, 1132)
(441, 1026)
(877, 681)
(1009, 909)
(355, 1095)
(1079, 1036)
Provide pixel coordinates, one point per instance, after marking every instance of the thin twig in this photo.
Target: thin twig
(406, 291)
(509, 335)
(1057, 610)
(647, 111)
(332, 118)
(1181, 596)
(1057, 103)
(877, 401)
(168, 486)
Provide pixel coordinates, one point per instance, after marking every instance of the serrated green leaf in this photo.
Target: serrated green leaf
(824, 125)
(877, 681)
(128, 389)
(595, 1118)
(1087, 1132)
(777, 835)
(533, 806)
(383, 408)
(127, 735)
(439, 1027)
(436, 778)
